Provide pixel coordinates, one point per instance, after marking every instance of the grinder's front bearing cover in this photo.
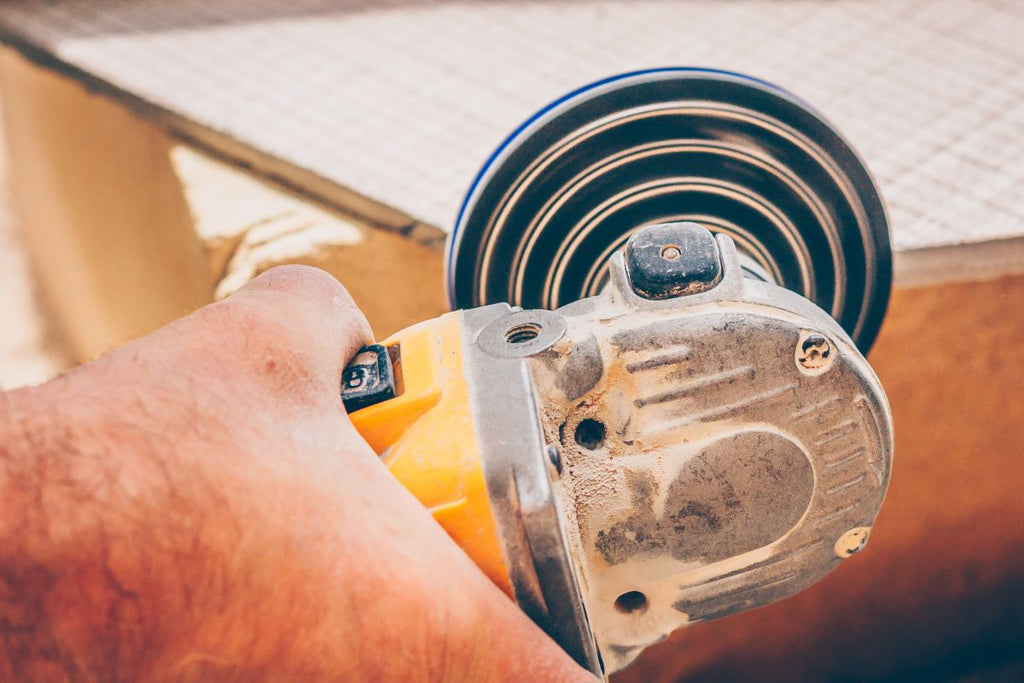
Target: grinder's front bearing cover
(735, 154)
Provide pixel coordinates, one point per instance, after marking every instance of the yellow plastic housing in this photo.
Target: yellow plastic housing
(426, 437)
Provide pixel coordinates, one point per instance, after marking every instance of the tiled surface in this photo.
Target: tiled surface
(402, 101)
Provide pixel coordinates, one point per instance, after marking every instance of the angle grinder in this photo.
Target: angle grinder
(653, 408)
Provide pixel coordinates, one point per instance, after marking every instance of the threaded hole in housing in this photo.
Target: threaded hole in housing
(631, 602)
(590, 434)
(522, 333)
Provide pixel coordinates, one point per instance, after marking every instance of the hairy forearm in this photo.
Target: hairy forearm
(120, 558)
(133, 551)
(55, 597)
(70, 517)
(108, 542)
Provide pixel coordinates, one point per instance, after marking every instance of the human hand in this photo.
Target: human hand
(197, 505)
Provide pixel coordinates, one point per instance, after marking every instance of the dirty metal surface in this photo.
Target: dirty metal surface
(512, 449)
(719, 450)
(387, 109)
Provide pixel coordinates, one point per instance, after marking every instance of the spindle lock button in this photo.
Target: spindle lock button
(672, 259)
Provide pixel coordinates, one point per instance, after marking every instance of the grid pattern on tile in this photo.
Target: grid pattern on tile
(401, 100)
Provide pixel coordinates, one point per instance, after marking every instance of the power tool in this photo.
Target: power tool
(650, 406)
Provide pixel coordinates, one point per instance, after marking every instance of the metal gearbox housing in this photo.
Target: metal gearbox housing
(685, 442)
(706, 453)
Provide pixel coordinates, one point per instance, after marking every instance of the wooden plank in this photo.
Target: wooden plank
(129, 230)
(29, 353)
(247, 226)
(101, 210)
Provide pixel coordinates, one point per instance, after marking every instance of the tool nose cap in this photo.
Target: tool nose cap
(671, 260)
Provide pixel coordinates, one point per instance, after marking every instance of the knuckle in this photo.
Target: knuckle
(259, 336)
(316, 294)
(305, 282)
(269, 349)
(291, 330)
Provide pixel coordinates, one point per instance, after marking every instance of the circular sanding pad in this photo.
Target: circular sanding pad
(735, 154)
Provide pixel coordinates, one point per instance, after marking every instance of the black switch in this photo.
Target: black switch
(368, 379)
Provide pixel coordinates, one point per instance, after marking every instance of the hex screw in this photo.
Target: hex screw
(814, 352)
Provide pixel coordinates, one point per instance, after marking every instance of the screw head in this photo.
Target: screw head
(670, 253)
(814, 351)
(852, 542)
